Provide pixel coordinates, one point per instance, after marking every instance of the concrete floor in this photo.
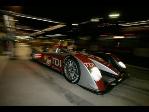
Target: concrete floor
(26, 83)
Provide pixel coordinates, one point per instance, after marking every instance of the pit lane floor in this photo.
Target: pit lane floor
(26, 83)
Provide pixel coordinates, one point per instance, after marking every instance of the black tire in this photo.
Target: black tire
(71, 70)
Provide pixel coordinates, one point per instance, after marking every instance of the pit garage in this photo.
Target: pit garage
(28, 34)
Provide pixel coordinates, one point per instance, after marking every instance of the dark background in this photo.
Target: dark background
(79, 10)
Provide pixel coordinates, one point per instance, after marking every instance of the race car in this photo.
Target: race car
(89, 71)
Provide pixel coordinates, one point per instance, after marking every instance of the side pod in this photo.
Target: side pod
(87, 81)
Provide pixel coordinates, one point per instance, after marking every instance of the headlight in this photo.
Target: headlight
(95, 73)
(121, 64)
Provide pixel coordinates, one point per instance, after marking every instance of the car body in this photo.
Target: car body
(89, 71)
(112, 59)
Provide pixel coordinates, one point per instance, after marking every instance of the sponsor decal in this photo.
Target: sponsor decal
(54, 61)
(89, 65)
(57, 62)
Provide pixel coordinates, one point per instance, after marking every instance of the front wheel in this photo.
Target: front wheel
(71, 70)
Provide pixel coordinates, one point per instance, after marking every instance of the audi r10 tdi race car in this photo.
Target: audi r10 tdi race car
(89, 71)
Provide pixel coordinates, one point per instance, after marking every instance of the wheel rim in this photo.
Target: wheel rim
(71, 70)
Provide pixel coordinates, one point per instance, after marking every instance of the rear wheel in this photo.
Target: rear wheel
(71, 70)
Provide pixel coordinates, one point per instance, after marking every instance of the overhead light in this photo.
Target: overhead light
(38, 19)
(143, 21)
(34, 18)
(125, 25)
(85, 22)
(36, 30)
(28, 17)
(118, 37)
(44, 20)
(23, 37)
(135, 22)
(95, 20)
(128, 23)
(50, 21)
(17, 15)
(114, 15)
(55, 35)
(22, 16)
(55, 22)
(75, 24)
(58, 34)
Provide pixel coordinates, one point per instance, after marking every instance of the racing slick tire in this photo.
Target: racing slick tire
(71, 70)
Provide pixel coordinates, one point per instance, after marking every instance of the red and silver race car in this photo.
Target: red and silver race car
(89, 71)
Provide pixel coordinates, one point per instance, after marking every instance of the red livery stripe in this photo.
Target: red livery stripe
(101, 85)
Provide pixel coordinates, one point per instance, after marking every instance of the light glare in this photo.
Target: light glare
(95, 73)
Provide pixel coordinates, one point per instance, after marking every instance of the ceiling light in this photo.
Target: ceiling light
(38, 19)
(143, 21)
(114, 15)
(22, 16)
(95, 20)
(118, 37)
(50, 21)
(34, 18)
(75, 24)
(28, 17)
(54, 35)
(124, 24)
(55, 22)
(44, 20)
